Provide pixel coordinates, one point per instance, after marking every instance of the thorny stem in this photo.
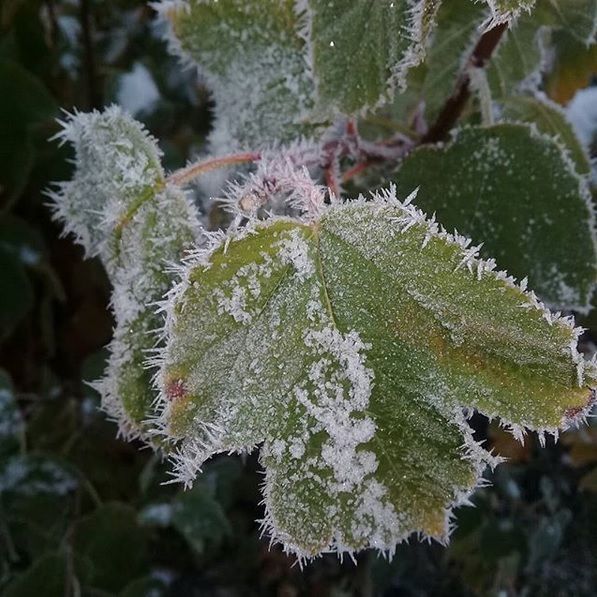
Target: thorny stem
(186, 175)
(457, 101)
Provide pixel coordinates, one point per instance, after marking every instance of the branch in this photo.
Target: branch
(186, 175)
(457, 101)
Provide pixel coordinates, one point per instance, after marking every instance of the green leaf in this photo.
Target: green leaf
(120, 207)
(47, 576)
(199, 518)
(513, 190)
(113, 545)
(361, 50)
(254, 61)
(349, 346)
(577, 17)
(526, 49)
(551, 120)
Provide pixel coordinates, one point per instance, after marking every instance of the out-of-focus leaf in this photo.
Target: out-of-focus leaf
(573, 66)
(513, 190)
(114, 546)
(16, 298)
(200, 519)
(145, 587)
(549, 119)
(431, 83)
(37, 500)
(47, 576)
(24, 103)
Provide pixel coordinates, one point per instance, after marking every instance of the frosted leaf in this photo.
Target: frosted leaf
(120, 208)
(350, 346)
(551, 120)
(525, 51)
(361, 50)
(254, 62)
(516, 191)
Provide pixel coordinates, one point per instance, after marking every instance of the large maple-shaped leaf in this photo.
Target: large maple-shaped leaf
(352, 346)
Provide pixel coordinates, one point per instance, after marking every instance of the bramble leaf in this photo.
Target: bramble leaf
(515, 191)
(254, 61)
(361, 50)
(551, 120)
(120, 208)
(349, 346)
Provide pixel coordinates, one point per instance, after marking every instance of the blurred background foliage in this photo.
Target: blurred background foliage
(83, 513)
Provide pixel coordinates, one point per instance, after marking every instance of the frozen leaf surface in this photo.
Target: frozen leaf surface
(361, 50)
(515, 191)
(351, 347)
(254, 61)
(120, 208)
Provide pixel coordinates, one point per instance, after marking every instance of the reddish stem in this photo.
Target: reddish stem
(185, 175)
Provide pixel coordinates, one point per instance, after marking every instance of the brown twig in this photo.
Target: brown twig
(457, 101)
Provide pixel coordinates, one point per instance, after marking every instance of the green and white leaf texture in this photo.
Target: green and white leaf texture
(254, 62)
(361, 51)
(517, 191)
(120, 208)
(352, 346)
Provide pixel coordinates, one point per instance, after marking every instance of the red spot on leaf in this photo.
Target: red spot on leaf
(575, 411)
(175, 389)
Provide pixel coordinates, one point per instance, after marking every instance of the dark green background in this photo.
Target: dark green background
(82, 512)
